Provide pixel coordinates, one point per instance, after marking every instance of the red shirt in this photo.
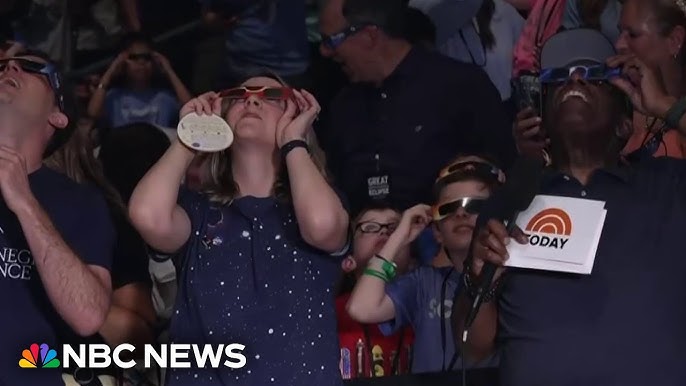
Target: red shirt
(355, 340)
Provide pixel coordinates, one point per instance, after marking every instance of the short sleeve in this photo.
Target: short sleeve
(196, 206)
(190, 201)
(405, 293)
(93, 239)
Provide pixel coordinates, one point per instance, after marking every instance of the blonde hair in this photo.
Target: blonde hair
(221, 186)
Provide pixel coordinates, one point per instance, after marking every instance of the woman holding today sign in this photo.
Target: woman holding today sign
(259, 242)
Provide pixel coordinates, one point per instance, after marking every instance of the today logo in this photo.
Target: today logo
(549, 228)
(99, 356)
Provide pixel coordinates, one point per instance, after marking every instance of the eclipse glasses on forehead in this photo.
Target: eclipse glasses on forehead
(483, 169)
(271, 93)
(599, 72)
(46, 69)
(471, 205)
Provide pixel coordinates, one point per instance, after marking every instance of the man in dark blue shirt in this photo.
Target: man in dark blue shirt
(56, 236)
(624, 323)
(408, 111)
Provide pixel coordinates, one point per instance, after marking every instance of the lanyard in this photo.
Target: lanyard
(444, 286)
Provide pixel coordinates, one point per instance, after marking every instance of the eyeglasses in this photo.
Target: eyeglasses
(471, 205)
(375, 227)
(334, 41)
(591, 73)
(476, 167)
(143, 57)
(270, 93)
(46, 69)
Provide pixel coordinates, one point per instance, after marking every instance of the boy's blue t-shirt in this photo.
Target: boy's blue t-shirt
(423, 299)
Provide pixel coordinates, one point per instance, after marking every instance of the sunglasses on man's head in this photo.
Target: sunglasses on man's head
(39, 68)
(471, 205)
(375, 227)
(271, 93)
(475, 167)
(598, 72)
(143, 56)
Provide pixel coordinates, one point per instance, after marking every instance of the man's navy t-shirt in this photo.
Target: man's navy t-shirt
(248, 277)
(80, 215)
(625, 323)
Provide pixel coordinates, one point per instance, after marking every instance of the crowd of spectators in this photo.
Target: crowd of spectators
(339, 223)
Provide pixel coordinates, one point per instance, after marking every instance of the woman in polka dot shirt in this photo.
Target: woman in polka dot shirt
(260, 243)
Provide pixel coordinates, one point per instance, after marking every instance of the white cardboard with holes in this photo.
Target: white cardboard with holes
(205, 133)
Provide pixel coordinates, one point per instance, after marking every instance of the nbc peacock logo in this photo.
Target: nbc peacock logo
(39, 356)
(550, 228)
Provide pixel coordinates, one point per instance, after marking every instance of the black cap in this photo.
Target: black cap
(573, 47)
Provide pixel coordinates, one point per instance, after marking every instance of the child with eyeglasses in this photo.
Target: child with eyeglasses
(423, 298)
(365, 351)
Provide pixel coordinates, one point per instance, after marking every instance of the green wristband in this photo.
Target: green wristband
(388, 267)
(675, 113)
(380, 275)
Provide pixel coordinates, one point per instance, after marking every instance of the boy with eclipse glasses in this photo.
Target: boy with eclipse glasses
(423, 298)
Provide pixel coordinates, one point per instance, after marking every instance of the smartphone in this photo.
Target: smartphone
(526, 91)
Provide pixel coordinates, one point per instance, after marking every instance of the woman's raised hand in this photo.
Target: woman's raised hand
(206, 104)
(647, 93)
(297, 119)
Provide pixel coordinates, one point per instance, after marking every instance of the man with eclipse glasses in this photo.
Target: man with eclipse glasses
(56, 236)
(623, 324)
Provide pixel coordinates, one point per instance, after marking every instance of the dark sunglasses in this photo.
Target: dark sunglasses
(375, 227)
(46, 69)
(471, 205)
(334, 41)
(474, 167)
(272, 93)
(591, 73)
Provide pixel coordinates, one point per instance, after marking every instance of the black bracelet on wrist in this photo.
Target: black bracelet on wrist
(290, 145)
(471, 288)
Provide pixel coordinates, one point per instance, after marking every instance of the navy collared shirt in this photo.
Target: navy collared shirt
(625, 323)
(428, 111)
